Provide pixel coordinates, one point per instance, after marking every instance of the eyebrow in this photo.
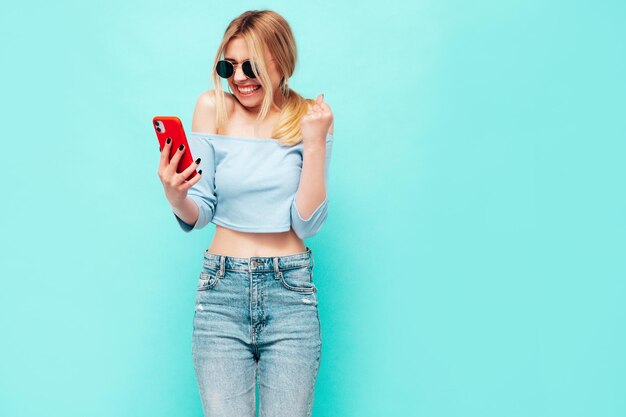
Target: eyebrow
(232, 60)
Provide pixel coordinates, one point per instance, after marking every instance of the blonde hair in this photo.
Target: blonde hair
(266, 31)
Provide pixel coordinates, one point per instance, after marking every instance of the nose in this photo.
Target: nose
(239, 75)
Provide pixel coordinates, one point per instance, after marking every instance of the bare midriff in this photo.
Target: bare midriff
(237, 244)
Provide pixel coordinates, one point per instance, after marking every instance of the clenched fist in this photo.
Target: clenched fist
(316, 122)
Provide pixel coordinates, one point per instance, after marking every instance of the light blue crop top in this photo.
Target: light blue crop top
(250, 184)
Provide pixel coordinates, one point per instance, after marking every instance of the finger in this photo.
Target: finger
(191, 168)
(165, 152)
(176, 158)
(178, 179)
(192, 181)
(320, 99)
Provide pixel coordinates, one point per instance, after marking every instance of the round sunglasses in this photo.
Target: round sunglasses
(226, 69)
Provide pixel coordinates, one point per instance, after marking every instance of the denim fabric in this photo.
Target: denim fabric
(256, 321)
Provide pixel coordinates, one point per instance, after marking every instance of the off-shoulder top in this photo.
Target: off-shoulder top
(250, 184)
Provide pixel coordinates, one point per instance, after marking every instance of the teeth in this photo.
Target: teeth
(248, 89)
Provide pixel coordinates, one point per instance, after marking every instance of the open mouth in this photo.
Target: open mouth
(247, 91)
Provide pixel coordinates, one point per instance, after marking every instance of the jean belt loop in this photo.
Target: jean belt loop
(312, 259)
(222, 265)
(276, 268)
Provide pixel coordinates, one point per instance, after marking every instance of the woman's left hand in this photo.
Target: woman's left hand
(316, 122)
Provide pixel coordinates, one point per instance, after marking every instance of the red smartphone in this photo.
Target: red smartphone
(171, 127)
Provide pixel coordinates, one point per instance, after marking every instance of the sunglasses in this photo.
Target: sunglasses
(226, 69)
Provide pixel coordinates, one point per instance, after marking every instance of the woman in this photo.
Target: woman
(260, 150)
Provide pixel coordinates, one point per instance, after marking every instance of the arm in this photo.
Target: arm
(186, 213)
(309, 208)
(201, 194)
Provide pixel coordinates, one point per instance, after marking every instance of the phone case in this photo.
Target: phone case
(171, 127)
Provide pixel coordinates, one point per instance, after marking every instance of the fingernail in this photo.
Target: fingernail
(200, 172)
(198, 160)
(180, 148)
(169, 140)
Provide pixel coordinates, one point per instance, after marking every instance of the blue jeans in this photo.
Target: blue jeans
(256, 321)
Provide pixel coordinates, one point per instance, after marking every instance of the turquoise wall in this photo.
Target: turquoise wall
(473, 260)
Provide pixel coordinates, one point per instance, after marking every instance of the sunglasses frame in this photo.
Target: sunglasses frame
(246, 66)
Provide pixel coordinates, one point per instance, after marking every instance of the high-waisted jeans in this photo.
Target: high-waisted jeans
(256, 321)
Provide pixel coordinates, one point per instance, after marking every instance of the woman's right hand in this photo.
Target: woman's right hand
(175, 184)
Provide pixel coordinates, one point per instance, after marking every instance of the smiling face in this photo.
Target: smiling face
(249, 91)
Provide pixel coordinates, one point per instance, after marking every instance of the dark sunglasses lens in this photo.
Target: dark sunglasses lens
(224, 69)
(247, 69)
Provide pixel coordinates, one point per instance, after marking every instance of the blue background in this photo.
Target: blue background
(473, 260)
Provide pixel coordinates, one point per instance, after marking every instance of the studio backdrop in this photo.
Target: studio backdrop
(472, 262)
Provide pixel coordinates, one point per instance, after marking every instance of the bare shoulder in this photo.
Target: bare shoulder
(204, 113)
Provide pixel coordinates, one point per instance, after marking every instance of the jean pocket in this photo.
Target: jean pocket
(209, 275)
(298, 279)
